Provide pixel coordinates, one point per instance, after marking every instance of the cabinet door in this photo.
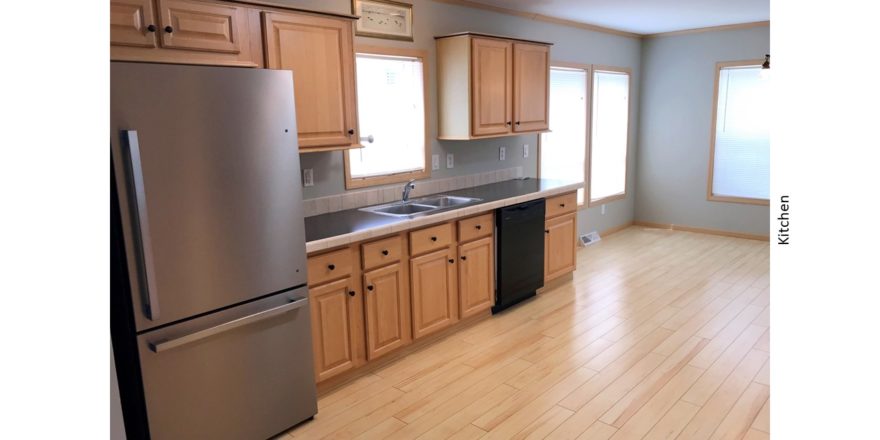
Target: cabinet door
(559, 246)
(385, 301)
(476, 277)
(433, 292)
(531, 87)
(319, 51)
(130, 22)
(335, 330)
(201, 26)
(491, 79)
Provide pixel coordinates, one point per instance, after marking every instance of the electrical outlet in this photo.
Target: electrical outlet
(435, 162)
(525, 151)
(501, 153)
(449, 160)
(308, 177)
(603, 209)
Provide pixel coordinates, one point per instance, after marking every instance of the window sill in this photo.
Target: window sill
(364, 182)
(743, 200)
(605, 200)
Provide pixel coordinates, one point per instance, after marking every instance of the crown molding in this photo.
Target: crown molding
(726, 27)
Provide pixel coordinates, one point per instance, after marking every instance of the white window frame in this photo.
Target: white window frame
(589, 157)
(710, 195)
(425, 172)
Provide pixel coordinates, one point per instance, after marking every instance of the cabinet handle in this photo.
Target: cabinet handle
(370, 287)
(169, 29)
(546, 231)
(151, 28)
(562, 205)
(517, 122)
(351, 293)
(508, 123)
(351, 131)
(479, 227)
(464, 257)
(451, 260)
(384, 251)
(433, 238)
(331, 266)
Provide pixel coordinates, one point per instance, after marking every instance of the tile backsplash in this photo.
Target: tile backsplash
(390, 193)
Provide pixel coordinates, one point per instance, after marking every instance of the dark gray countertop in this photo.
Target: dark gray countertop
(353, 220)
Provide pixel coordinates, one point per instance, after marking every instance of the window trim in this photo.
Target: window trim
(710, 195)
(364, 182)
(588, 198)
(588, 68)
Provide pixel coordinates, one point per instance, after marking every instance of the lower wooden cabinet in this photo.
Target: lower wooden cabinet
(386, 302)
(560, 257)
(476, 277)
(337, 327)
(434, 296)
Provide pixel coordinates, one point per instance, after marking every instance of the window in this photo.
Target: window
(391, 109)
(609, 132)
(739, 160)
(563, 148)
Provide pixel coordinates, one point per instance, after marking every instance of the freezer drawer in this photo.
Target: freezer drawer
(242, 373)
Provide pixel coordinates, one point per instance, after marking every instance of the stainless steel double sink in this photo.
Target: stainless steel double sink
(422, 206)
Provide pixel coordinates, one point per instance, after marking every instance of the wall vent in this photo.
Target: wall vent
(590, 238)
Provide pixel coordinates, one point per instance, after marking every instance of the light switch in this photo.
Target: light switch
(435, 162)
(501, 153)
(308, 177)
(449, 160)
(525, 151)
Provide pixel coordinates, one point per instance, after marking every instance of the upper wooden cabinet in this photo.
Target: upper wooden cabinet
(319, 50)
(185, 31)
(491, 86)
(531, 87)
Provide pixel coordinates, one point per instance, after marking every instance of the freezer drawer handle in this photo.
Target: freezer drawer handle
(151, 306)
(295, 303)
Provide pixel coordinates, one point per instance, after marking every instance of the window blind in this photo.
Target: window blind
(563, 148)
(609, 134)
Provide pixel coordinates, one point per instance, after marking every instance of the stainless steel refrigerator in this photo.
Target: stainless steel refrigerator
(207, 173)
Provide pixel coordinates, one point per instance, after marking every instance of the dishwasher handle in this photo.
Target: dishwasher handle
(296, 303)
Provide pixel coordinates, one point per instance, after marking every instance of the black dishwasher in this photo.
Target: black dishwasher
(519, 253)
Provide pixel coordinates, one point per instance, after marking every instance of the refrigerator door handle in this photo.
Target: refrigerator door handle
(296, 303)
(151, 306)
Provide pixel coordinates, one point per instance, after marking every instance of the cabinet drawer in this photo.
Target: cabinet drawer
(429, 239)
(329, 266)
(381, 252)
(561, 205)
(476, 227)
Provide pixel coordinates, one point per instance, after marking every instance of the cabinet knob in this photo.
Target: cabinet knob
(384, 251)
(464, 257)
(546, 231)
(517, 122)
(433, 238)
(169, 29)
(151, 28)
(350, 131)
(508, 123)
(562, 205)
(351, 293)
(451, 260)
(370, 287)
(331, 266)
(479, 227)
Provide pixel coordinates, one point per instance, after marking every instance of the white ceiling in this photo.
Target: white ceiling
(645, 16)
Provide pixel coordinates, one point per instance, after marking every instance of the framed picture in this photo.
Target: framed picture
(383, 19)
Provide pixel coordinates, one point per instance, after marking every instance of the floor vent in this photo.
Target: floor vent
(590, 238)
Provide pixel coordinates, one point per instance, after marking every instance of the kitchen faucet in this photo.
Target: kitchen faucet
(409, 185)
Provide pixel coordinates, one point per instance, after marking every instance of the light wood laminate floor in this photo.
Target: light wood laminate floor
(659, 335)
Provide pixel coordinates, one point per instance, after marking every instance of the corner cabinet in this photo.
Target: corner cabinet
(186, 32)
(320, 52)
(491, 86)
(560, 236)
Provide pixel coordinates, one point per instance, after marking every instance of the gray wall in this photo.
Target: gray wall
(570, 44)
(676, 116)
